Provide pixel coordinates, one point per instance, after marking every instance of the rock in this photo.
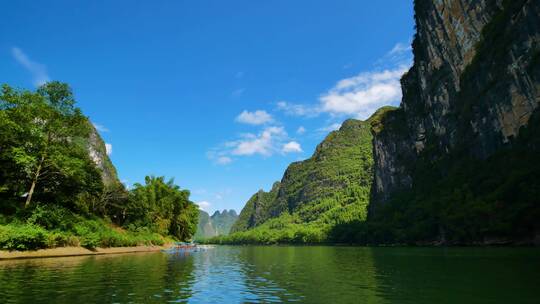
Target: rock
(473, 85)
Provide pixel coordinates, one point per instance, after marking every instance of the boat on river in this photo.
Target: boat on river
(183, 247)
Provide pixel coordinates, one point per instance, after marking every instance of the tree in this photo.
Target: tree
(164, 207)
(44, 139)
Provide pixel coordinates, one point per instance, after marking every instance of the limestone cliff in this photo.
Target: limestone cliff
(458, 161)
(473, 85)
(98, 154)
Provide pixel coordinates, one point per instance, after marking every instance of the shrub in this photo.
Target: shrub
(54, 226)
(90, 240)
(52, 217)
(23, 237)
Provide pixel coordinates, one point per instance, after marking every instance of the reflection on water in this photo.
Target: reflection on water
(258, 274)
(138, 278)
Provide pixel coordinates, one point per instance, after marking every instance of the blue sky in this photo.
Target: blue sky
(220, 95)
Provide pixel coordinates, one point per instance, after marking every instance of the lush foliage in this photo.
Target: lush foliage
(329, 189)
(461, 195)
(205, 229)
(163, 207)
(223, 221)
(42, 148)
(59, 188)
(460, 199)
(54, 226)
(256, 210)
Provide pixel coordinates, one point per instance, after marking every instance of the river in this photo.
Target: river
(262, 274)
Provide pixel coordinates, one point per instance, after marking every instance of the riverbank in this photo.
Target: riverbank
(75, 251)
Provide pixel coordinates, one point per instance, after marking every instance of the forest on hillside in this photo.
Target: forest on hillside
(56, 187)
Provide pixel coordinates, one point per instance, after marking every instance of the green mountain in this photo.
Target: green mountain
(331, 187)
(457, 163)
(218, 224)
(205, 228)
(256, 210)
(223, 221)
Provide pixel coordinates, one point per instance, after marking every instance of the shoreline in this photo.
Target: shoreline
(75, 251)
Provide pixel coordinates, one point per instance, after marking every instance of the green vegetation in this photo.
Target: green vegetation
(283, 229)
(219, 223)
(256, 210)
(163, 207)
(59, 188)
(47, 226)
(223, 221)
(43, 152)
(455, 199)
(459, 196)
(331, 188)
(205, 229)
(459, 199)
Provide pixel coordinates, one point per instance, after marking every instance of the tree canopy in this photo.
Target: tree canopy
(58, 186)
(42, 147)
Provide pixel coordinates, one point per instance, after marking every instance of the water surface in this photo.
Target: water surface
(260, 274)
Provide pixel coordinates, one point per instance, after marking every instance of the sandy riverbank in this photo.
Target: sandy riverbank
(75, 251)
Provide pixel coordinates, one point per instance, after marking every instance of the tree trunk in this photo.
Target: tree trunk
(34, 182)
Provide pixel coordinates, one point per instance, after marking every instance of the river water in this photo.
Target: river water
(263, 274)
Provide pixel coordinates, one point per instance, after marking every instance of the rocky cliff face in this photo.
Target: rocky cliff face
(456, 163)
(98, 154)
(473, 86)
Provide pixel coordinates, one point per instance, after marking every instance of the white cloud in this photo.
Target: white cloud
(269, 141)
(399, 55)
(38, 70)
(223, 160)
(400, 48)
(357, 96)
(108, 148)
(204, 205)
(258, 117)
(361, 95)
(263, 143)
(100, 128)
(297, 109)
(291, 146)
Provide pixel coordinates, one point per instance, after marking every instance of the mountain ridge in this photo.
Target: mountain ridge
(219, 223)
(456, 163)
(330, 187)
